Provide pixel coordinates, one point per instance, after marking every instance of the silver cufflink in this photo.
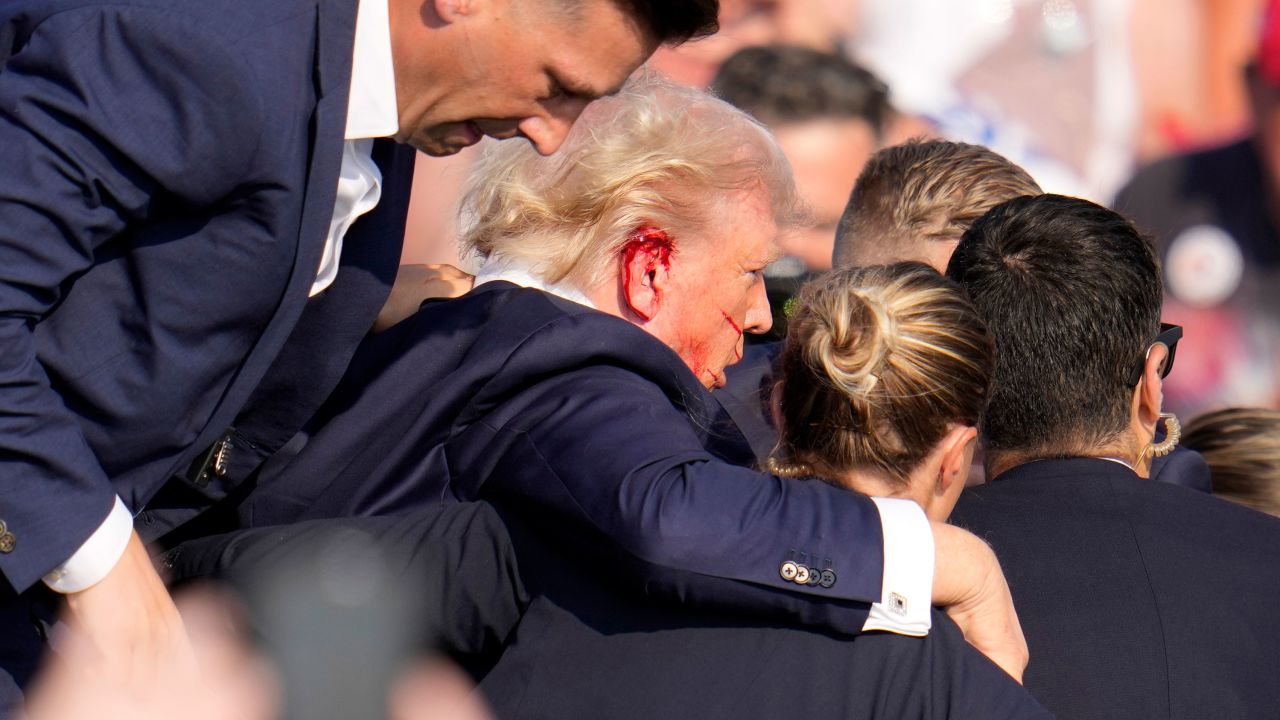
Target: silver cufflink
(897, 604)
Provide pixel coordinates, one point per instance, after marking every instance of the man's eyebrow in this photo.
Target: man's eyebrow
(579, 89)
(761, 262)
(773, 255)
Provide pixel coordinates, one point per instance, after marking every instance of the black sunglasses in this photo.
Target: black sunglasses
(1169, 336)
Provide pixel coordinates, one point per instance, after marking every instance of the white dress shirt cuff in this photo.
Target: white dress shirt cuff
(97, 556)
(904, 607)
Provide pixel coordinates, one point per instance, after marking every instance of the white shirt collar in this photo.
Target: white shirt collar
(497, 267)
(371, 107)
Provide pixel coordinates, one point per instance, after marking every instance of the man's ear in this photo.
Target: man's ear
(646, 268)
(957, 455)
(1148, 396)
(453, 10)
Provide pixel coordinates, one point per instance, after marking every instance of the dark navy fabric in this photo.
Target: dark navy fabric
(584, 650)
(1139, 599)
(745, 397)
(169, 177)
(590, 428)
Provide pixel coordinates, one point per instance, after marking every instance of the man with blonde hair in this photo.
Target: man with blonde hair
(569, 388)
(914, 201)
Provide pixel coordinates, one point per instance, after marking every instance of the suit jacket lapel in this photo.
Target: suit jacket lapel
(335, 39)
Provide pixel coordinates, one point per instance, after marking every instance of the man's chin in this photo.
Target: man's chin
(437, 149)
(450, 139)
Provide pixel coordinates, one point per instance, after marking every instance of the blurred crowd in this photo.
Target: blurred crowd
(1109, 101)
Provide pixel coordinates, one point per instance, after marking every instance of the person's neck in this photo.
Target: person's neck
(878, 484)
(998, 462)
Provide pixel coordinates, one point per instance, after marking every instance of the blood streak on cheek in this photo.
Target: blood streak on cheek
(736, 328)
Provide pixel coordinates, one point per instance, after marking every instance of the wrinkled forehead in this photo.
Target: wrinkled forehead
(741, 228)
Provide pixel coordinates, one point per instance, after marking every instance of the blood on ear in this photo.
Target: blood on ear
(647, 249)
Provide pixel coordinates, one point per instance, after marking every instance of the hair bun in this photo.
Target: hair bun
(878, 362)
(854, 337)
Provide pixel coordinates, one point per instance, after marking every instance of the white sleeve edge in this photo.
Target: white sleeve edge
(97, 556)
(907, 590)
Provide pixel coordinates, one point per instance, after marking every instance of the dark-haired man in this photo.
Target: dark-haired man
(1139, 599)
(179, 182)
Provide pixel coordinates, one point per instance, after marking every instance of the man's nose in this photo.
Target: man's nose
(547, 132)
(759, 318)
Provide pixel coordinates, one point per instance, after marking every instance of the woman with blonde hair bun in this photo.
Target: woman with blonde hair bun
(885, 373)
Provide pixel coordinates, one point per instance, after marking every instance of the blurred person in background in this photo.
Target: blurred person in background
(1046, 83)
(1214, 214)
(1139, 599)
(1242, 447)
(828, 115)
(816, 24)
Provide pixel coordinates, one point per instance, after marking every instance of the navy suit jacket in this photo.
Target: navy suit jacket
(594, 430)
(1138, 599)
(584, 650)
(169, 175)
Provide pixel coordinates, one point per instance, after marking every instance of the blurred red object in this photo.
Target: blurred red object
(1269, 44)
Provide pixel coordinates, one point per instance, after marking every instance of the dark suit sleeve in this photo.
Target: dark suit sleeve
(101, 111)
(615, 457)
(451, 577)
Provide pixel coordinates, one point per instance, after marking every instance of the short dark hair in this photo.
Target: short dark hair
(781, 84)
(923, 190)
(672, 22)
(1071, 293)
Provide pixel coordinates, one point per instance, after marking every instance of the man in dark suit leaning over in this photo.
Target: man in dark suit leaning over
(570, 386)
(178, 182)
(1140, 599)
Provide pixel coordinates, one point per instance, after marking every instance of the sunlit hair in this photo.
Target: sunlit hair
(923, 191)
(1242, 447)
(655, 154)
(878, 362)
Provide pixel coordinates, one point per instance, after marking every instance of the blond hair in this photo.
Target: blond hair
(921, 191)
(1242, 448)
(655, 154)
(878, 362)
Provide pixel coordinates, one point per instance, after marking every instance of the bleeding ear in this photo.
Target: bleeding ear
(646, 265)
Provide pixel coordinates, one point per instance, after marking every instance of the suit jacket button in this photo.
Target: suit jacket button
(828, 578)
(802, 575)
(815, 577)
(788, 570)
(7, 540)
